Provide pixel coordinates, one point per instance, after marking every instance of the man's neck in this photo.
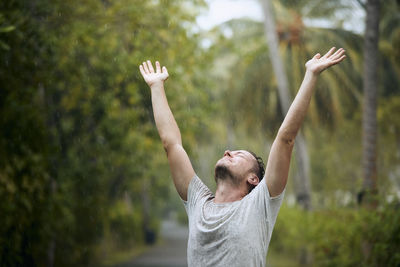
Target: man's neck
(227, 192)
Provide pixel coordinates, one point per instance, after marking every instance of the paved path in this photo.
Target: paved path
(171, 253)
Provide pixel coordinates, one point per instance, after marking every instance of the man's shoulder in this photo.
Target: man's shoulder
(198, 190)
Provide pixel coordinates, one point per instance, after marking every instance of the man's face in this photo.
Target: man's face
(234, 165)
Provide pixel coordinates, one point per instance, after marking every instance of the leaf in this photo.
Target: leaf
(7, 29)
(4, 45)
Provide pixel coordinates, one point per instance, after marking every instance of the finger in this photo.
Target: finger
(330, 52)
(338, 54)
(150, 66)
(164, 70)
(317, 56)
(158, 68)
(146, 69)
(340, 50)
(142, 70)
(336, 61)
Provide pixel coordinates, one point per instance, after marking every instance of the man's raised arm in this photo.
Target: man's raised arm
(181, 168)
(277, 170)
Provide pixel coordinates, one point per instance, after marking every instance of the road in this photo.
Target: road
(171, 253)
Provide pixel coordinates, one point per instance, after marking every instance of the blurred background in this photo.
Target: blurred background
(84, 180)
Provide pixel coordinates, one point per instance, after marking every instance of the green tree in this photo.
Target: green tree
(79, 144)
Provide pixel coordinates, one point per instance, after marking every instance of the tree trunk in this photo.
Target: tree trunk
(302, 178)
(48, 103)
(370, 84)
(367, 197)
(149, 234)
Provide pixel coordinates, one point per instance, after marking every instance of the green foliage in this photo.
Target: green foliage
(389, 140)
(340, 237)
(125, 224)
(332, 174)
(4, 28)
(78, 141)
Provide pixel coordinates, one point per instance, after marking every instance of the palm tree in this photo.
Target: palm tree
(370, 84)
(244, 55)
(302, 180)
(337, 96)
(298, 42)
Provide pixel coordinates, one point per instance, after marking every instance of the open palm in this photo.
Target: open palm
(152, 77)
(317, 64)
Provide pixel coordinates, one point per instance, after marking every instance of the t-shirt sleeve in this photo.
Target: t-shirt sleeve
(197, 191)
(265, 203)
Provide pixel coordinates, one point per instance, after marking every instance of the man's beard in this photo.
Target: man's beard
(222, 173)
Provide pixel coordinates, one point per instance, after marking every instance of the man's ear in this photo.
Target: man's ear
(253, 179)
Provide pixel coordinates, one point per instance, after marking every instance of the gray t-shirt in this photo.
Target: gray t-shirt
(229, 234)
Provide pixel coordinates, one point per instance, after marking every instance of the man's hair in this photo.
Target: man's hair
(258, 168)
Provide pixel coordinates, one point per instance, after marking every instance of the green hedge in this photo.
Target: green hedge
(339, 237)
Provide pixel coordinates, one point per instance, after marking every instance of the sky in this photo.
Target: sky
(224, 10)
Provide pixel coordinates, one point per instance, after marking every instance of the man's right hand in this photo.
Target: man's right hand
(181, 168)
(152, 77)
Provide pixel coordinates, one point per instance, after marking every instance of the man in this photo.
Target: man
(234, 226)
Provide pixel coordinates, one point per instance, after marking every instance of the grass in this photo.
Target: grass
(276, 259)
(121, 256)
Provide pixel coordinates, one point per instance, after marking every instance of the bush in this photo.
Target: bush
(340, 237)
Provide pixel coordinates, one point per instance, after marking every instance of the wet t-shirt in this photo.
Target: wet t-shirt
(229, 234)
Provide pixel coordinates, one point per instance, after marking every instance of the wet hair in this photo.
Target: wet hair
(258, 168)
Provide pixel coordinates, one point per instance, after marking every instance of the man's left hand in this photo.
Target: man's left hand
(318, 64)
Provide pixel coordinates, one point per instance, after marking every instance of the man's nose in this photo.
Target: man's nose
(227, 153)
